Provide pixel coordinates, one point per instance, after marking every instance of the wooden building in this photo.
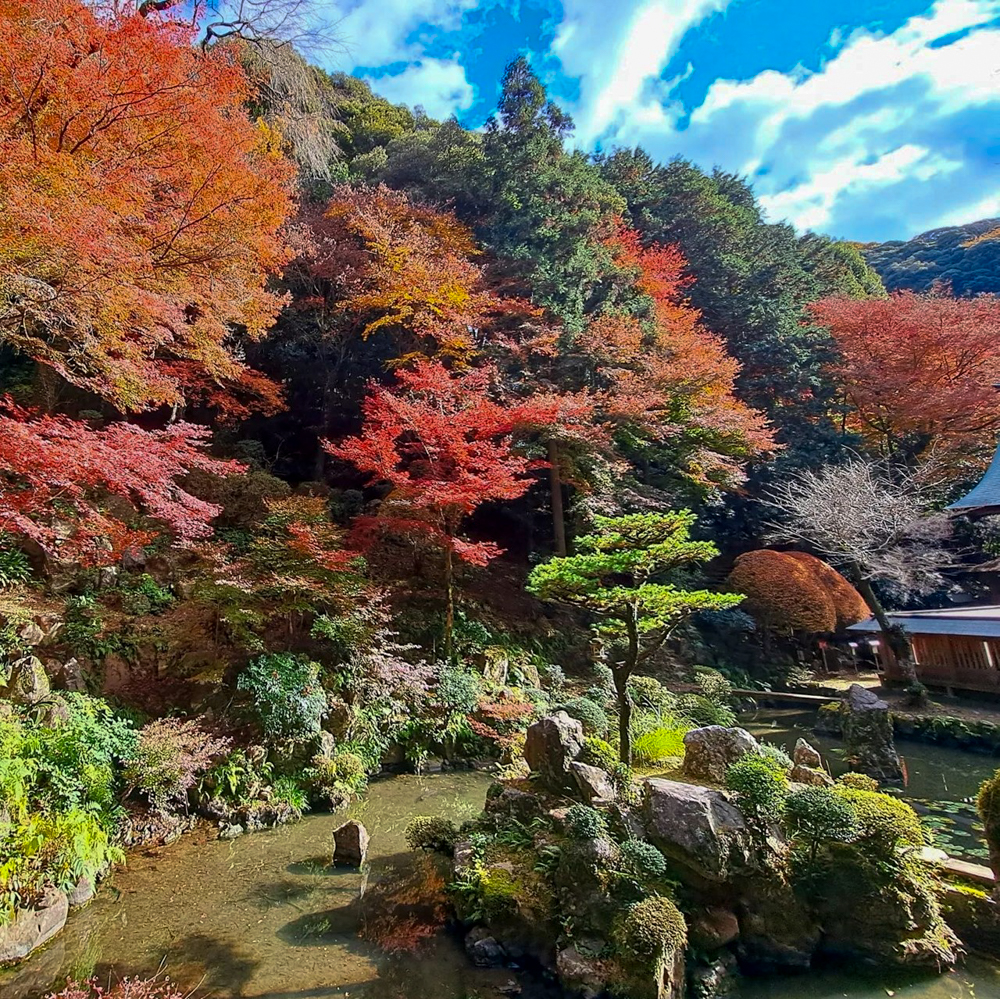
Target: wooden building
(957, 648)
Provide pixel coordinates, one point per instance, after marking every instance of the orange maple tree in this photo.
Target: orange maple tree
(141, 210)
(918, 371)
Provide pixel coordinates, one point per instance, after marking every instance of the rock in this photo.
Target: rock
(868, 735)
(133, 559)
(594, 784)
(520, 805)
(53, 713)
(32, 634)
(463, 857)
(551, 744)
(709, 751)
(350, 844)
(579, 974)
(231, 831)
(697, 827)
(28, 683)
(801, 774)
(806, 755)
(713, 929)
(718, 980)
(81, 893)
(483, 949)
(777, 932)
(30, 928)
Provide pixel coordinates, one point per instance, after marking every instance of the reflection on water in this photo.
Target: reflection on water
(265, 915)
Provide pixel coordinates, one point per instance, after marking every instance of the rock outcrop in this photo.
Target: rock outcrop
(709, 751)
(868, 737)
(551, 745)
(31, 928)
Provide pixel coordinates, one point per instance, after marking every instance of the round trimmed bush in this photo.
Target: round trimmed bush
(427, 832)
(584, 822)
(652, 927)
(859, 782)
(590, 714)
(760, 788)
(598, 753)
(883, 822)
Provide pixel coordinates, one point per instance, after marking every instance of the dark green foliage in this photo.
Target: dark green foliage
(14, 565)
(431, 833)
(759, 787)
(459, 688)
(642, 861)
(776, 756)
(584, 822)
(144, 596)
(884, 823)
(589, 713)
(988, 806)
(949, 255)
(286, 693)
(816, 815)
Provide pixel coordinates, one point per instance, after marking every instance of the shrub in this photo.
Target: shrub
(589, 713)
(623, 781)
(339, 777)
(459, 689)
(598, 753)
(884, 823)
(647, 692)
(859, 782)
(169, 757)
(660, 744)
(704, 711)
(240, 777)
(145, 596)
(652, 928)
(817, 815)
(584, 822)
(642, 860)
(14, 565)
(127, 988)
(760, 789)
(288, 791)
(287, 695)
(431, 833)
(775, 755)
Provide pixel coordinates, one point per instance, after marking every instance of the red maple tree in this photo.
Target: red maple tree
(56, 475)
(142, 209)
(918, 371)
(444, 447)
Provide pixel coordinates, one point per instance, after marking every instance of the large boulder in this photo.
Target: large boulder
(868, 735)
(350, 844)
(551, 745)
(713, 928)
(710, 750)
(30, 928)
(777, 931)
(698, 828)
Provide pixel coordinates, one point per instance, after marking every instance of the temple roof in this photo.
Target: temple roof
(985, 497)
(976, 621)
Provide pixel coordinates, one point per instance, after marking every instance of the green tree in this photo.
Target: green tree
(620, 575)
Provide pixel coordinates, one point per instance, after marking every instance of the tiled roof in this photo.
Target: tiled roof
(978, 622)
(986, 493)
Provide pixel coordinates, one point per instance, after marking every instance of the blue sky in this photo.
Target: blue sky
(867, 120)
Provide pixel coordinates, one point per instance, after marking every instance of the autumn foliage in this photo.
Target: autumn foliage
(918, 371)
(795, 591)
(141, 209)
(57, 474)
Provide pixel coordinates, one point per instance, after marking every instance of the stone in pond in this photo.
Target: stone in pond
(30, 928)
(350, 844)
(710, 750)
(869, 744)
(483, 949)
(806, 755)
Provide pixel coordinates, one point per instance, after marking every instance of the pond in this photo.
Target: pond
(266, 917)
(941, 783)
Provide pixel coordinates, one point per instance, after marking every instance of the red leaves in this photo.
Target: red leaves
(57, 472)
(918, 370)
(142, 209)
(445, 447)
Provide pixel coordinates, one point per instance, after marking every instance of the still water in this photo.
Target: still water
(266, 917)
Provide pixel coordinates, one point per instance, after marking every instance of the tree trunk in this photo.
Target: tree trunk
(555, 489)
(895, 640)
(449, 614)
(624, 717)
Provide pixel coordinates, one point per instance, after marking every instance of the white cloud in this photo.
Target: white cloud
(438, 85)
(617, 50)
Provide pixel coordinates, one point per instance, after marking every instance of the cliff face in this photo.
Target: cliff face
(958, 255)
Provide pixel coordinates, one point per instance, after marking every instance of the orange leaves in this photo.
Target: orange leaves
(918, 370)
(795, 591)
(141, 208)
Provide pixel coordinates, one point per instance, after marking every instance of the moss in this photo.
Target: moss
(859, 782)
(598, 753)
(883, 822)
(988, 806)
(650, 929)
(431, 833)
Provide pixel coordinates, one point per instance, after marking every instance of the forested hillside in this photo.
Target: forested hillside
(956, 256)
(334, 437)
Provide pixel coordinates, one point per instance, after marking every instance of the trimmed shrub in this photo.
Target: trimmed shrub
(584, 822)
(598, 753)
(859, 782)
(589, 713)
(339, 777)
(817, 815)
(647, 692)
(776, 756)
(988, 806)
(884, 823)
(760, 789)
(642, 860)
(426, 832)
(652, 928)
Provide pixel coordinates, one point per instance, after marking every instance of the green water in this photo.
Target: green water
(266, 917)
